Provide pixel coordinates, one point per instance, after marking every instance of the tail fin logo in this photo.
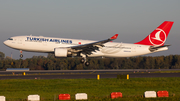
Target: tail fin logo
(158, 37)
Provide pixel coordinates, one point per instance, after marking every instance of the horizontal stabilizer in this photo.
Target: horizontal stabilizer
(154, 48)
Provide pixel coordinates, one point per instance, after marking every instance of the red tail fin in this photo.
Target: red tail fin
(158, 36)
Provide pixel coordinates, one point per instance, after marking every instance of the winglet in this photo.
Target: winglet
(114, 37)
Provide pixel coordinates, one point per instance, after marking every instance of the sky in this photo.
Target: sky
(133, 20)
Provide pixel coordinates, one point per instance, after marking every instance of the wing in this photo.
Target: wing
(90, 47)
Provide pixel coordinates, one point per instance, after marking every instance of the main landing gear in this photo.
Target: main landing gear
(83, 60)
(21, 55)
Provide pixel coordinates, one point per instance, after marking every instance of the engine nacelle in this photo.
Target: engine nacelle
(60, 52)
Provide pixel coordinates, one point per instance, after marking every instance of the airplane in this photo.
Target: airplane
(64, 47)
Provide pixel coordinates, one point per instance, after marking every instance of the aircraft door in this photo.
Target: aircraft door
(19, 41)
(133, 48)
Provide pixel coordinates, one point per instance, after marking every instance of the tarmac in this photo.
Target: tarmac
(85, 74)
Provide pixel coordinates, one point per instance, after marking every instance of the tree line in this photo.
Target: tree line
(51, 63)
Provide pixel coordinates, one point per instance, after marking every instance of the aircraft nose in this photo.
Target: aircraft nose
(5, 42)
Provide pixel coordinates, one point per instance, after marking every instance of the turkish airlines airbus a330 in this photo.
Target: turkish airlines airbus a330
(64, 47)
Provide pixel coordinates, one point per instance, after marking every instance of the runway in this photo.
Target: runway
(85, 74)
(88, 76)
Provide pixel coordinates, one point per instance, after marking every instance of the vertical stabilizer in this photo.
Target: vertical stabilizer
(158, 36)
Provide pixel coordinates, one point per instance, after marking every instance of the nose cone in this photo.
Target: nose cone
(5, 42)
(8, 43)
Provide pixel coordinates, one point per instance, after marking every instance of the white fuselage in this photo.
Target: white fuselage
(48, 44)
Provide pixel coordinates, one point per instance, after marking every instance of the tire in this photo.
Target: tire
(87, 63)
(21, 56)
(82, 60)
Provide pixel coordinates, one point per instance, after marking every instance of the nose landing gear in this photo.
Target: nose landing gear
(21, 55)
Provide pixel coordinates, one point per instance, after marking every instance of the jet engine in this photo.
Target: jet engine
(61, 52)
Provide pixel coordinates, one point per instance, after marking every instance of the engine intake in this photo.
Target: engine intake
(60, 52)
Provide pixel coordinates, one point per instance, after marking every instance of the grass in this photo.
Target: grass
(97, 90)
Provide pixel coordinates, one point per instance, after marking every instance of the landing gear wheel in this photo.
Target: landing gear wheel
(21, 56)
(82, 60)
(87, 63)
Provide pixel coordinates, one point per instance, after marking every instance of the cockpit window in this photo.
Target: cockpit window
(10, 38)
